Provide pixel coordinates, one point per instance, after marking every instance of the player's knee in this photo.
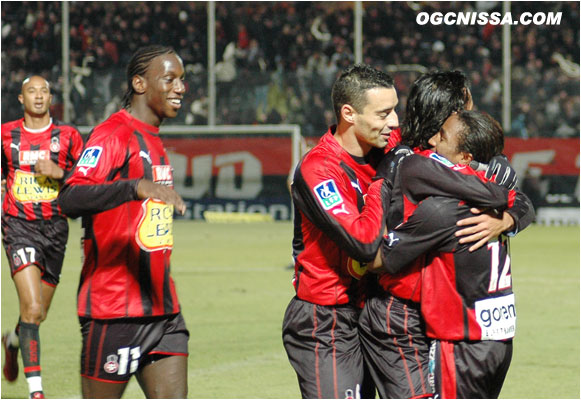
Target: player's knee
(32, 312)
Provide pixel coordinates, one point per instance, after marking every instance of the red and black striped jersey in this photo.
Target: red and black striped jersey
(464, 295)
(127, 242)
(427, 174)
(339, 218)
(29, 195)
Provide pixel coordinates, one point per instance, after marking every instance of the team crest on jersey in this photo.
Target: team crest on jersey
(440, 159)
(90, 157)
(55, 145)
(111, 366)
(328, 194)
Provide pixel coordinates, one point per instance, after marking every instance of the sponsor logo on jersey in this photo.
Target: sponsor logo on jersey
(90, 157)
(31, 188)
(440, 159)
(154, 231)
(55, 145)
(496, 317)
(162, 174)
(30, 157)
(328, 194)
(356, 269)
(392, 239)
(111, 366)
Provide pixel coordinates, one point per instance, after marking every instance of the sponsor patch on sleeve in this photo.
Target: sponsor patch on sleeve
(440, 159)
(328, 194)
(90, 157)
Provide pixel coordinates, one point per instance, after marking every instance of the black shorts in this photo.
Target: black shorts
(322, 344)
(113, 350)
(42, 243)
(395, 347)
(469, 370)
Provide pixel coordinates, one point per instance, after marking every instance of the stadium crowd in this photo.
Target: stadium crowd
(276, 61)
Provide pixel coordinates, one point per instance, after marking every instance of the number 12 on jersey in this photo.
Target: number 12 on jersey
(504, 280)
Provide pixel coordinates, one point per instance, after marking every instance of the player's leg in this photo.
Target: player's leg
(323, 347)
(103, 373)
(481, 368)
(395, 347)
(29, 289)
(164, 378)
(47, 294)
(163, 373)
(94, 389)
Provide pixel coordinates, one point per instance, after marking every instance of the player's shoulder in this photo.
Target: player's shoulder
(7, 127)
(65, 126)
(113, 128)
(319, 159)
(439, 206)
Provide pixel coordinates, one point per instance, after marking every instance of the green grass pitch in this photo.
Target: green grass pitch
(234, 287)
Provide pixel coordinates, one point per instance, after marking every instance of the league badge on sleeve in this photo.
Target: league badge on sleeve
(89, 158)
(328, 194)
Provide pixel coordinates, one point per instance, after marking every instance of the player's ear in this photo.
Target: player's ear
(348, 113)
(466, 158)
(139, 84)
(21, 99)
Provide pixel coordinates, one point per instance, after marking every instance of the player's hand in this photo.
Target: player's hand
(483, 227)
(389, 164)
(3, 188)
(148, 189)
(500, 171)
(49, 168)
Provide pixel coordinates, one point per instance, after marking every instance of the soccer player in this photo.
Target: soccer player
(37, 154)
(122, 187)
(398, 356)
(338, 214)
(466, 297)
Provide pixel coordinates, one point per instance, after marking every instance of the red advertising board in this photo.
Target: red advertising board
(551, 156)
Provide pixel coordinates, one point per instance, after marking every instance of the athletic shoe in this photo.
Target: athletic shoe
(37, 395)
(10, 369)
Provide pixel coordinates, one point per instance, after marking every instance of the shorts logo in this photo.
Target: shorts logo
(16, 260)
(55, 145)
(90, 157)
(111, 366)
(328, 194)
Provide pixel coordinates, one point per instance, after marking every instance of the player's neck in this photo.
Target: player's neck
(34, 122)
(144, 114)
(348, 140)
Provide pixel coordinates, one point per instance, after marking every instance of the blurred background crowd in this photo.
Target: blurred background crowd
(276, 61)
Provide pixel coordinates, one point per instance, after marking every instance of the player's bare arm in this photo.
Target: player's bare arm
(483, 227)
(49, 168)
(148, 189)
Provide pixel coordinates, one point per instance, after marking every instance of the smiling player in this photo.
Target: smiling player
(122, 186)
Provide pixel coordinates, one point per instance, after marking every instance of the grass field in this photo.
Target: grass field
(234, 287)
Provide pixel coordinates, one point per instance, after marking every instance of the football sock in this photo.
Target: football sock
(30, 350)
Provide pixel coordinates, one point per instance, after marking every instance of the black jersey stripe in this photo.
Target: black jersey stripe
(145, 284)
(167, 297)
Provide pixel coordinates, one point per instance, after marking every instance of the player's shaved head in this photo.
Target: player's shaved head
(36, 80)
